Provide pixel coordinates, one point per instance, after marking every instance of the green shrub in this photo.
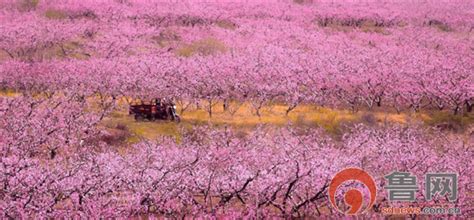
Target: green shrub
(55, 14)
(28, 5)
(207, 46)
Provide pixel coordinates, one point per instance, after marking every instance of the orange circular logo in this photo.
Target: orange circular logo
(353, 197)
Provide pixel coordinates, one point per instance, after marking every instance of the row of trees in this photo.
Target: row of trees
(256, 53)
(53, 165)
(273, 75)
(118, 30)
(452, 13)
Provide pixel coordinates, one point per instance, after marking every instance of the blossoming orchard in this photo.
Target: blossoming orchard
(235, 109)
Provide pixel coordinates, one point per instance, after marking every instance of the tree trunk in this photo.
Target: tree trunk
(469, 106)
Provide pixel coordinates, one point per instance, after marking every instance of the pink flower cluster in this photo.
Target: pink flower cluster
(52, 165)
